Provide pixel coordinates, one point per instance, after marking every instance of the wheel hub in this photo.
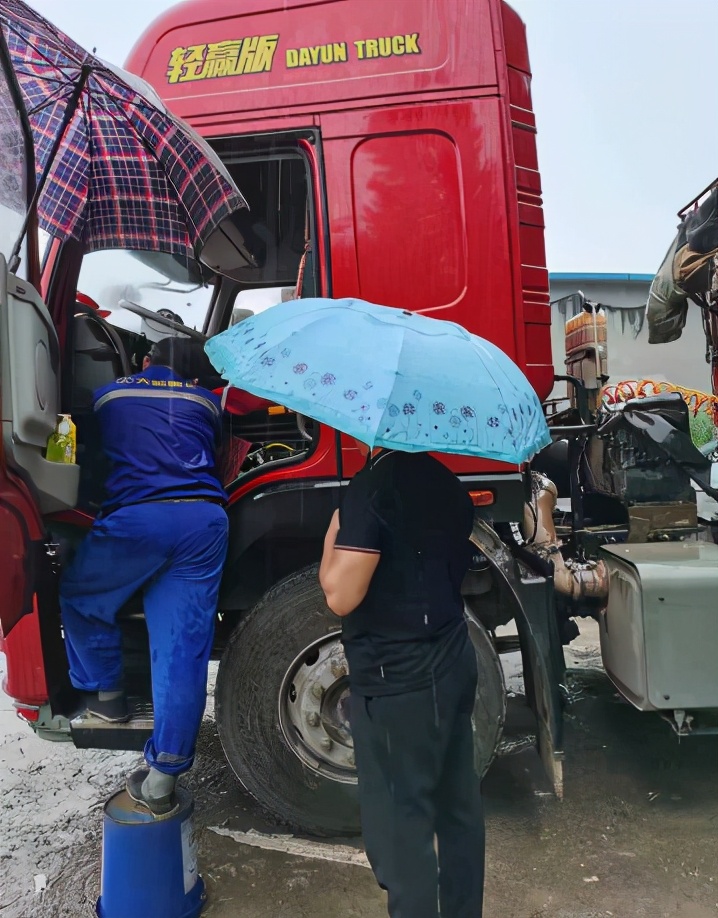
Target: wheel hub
(314, 706)
(314, 710)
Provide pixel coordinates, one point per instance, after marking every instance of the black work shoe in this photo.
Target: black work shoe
(158, 806)
(112, 712)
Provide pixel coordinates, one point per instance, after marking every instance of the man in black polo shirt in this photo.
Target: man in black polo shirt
(393, 563)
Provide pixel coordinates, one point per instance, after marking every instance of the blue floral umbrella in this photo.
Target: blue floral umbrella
(386, 376)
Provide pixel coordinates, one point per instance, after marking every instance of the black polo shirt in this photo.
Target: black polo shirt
(410, 628)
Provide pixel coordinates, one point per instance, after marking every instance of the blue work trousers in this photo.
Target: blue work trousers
(174, 552)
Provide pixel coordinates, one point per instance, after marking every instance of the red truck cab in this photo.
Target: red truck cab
(414, 124)
(388, 152)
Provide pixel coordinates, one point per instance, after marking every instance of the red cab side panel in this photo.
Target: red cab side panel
(533, 279)
(25, 680)
(418, 214)
(20, 532)
(281, 55)
(431, 175)
(20, 526)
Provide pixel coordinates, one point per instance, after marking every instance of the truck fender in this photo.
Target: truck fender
(527, 584)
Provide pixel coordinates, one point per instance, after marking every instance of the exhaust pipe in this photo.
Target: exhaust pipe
(575, 579)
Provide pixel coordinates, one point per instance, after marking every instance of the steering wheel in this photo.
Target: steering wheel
(162, 320)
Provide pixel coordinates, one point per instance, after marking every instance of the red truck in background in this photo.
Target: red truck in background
(387, 151)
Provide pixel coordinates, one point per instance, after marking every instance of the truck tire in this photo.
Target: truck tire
(281, 706)
(277, 638)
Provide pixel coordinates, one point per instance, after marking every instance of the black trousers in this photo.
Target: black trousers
(417, 782)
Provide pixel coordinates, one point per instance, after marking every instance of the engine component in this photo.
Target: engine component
(576, 579)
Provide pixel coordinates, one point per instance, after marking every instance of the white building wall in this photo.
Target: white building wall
(630, 356)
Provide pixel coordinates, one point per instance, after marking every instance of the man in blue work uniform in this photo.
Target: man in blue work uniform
(394, 560)
(162, 531)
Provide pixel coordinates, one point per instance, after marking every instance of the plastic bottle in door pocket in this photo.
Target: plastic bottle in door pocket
(62, 444)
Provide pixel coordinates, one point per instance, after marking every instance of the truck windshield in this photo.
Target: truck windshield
(119, 280)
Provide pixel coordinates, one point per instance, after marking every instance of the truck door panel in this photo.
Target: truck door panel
(410, 192)
(30, 367)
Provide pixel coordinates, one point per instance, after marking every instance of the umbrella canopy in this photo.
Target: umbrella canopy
(115, 168)
(386, 376)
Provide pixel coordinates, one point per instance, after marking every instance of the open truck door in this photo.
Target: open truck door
(30, 364)
(29, 371)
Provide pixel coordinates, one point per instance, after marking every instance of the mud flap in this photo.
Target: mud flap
(532, 594)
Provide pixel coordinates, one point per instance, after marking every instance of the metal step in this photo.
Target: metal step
(90, 732)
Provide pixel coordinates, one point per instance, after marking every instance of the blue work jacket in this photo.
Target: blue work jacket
(161, 434)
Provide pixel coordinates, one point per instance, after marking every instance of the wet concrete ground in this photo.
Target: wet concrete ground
(636, 835)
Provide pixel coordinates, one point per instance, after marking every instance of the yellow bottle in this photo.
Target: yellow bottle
(62, 443)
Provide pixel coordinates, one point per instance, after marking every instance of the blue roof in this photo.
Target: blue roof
(626, 278)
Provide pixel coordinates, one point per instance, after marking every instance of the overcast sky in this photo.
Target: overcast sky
(625, 103)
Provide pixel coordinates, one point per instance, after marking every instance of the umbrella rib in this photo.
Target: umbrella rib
(121, 107)
(85, 115)
(69, 113)
(54, 97)
(23, 34)
(44, 78)
(50, 34)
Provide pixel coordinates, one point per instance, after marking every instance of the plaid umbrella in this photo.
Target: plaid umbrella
(115, 169)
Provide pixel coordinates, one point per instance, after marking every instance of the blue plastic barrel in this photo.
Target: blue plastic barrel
(149, 864)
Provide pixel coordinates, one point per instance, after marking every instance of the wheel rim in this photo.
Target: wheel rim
(314, 710)
(314, 706)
